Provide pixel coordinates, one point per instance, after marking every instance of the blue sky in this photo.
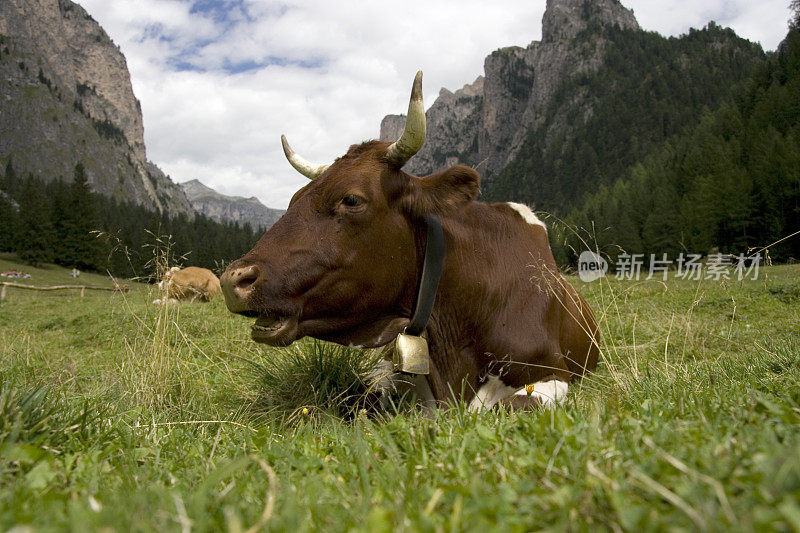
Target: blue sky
(221, 12)
(220, 80)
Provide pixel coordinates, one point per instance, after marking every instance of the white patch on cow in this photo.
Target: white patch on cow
(381, 376)
(491, 392)
(526, 213)
(386, 381)
(422, 389)
(165, 287)
(549, 393)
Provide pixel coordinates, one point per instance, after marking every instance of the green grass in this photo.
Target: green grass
(119, 415)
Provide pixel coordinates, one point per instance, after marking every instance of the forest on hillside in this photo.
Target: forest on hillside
(730, 184)
(647, 89)
(66, 223)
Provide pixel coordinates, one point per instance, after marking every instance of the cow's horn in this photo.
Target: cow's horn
(306, 168)
(413, 136)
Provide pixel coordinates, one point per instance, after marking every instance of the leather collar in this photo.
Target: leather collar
(431, 274)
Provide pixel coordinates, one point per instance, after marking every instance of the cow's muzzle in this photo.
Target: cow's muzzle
(243, 289)
(238, 283)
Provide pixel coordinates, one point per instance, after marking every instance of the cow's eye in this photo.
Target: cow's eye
(352, 200)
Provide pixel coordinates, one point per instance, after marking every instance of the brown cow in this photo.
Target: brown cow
(187, 284)
(343, 264)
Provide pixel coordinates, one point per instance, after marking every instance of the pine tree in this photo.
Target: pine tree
(61, 220)
(34, 236)
(8, 216)
(8, 222)
(10, 183)
(76, 220)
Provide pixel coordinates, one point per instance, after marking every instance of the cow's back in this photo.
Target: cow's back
(195, 283)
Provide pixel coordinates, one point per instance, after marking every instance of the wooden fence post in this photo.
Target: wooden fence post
(83, 288)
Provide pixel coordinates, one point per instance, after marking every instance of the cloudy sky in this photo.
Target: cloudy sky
(220, 80)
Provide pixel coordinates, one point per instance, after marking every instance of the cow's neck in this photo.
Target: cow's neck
(453, 361)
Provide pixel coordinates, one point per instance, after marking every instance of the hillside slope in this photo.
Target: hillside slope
(730, 183)
(67, 97)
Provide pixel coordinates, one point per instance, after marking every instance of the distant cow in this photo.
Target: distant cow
(187, 284)
(344, 264)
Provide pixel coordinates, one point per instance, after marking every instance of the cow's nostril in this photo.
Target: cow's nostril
(237, 285)
(244, 278)
(247, 277)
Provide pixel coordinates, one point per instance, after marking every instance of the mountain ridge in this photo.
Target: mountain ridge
(222, 207)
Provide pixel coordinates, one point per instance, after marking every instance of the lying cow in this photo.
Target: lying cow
(187, 284)
(344, 265)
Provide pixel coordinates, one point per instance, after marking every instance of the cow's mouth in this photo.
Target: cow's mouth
(274, 330)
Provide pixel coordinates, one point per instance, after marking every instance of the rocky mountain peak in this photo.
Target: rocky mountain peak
(196, 189)
(223, 208)
(485, 123)
(463, 107)
(565, 19)
(66, 90)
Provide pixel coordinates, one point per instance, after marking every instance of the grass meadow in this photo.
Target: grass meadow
(118, 415)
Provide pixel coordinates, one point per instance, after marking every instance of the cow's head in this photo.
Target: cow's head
(342, 263)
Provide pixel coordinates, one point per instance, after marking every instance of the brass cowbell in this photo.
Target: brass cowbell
(411, 354)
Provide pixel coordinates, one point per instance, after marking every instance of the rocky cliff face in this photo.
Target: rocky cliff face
(452, 127)
(66, 97)
(484, 124)
(229, 208)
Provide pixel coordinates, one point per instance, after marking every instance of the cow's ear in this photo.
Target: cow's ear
(441, 192)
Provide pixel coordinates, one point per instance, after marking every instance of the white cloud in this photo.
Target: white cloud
(765, 21)
(331, 71)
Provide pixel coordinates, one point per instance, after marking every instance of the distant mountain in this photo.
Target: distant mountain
(550, 122)
(223, 208)
(67, 98)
